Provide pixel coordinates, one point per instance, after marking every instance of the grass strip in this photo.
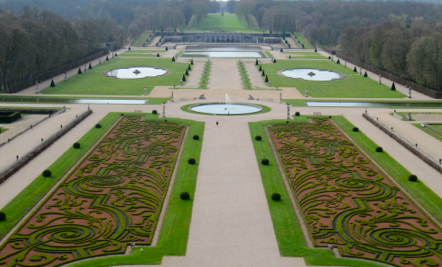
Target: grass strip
(205, 75)
(244, 75)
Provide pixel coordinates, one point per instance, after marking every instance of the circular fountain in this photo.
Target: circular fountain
(226, 108)
(135, 72)
(312, 74)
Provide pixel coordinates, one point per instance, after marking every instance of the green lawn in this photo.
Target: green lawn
(289, 236)
(434, 134)
(352, 86)
(216, 22)
(2, 130)
(302, 40)
(303, 55)
(140, 41)
(56, 100)
(93, 82)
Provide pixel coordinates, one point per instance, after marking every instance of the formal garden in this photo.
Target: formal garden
(113, 197)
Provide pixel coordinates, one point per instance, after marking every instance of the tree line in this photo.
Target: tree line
(403, 38)
(36, 42)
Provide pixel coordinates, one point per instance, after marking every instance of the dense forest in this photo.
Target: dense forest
(402, 38)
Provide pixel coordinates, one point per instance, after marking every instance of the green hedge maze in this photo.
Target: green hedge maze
(112, 198)
(348, 202)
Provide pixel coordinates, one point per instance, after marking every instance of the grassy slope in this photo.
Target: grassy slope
(354, 85)
(304, 55)
(93, 82)
(23, 202)
(216, 22)
(142, 39)
(175, 229)
(303, 40)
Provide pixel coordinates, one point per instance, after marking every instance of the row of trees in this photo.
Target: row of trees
(413, 52)
(39, 41)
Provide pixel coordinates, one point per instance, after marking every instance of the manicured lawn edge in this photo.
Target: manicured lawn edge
(302, 40)
(205, 81)
(17, 208)
(418, 125)
(291, 241)
(175, 228)
(265, 109)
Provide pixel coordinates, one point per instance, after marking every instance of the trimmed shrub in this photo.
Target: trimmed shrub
(267, 79)
(158, 55)
(412, 178)
(329, 57)
(79, 71)
(393, 87)
(338, 61)
(52, 83)
(379, 149)
(256, 62)
(97, 125)
(290, 56)
(187, 72)
(196, 137)
(297, 113)
(355, 70)
(2, 216)
(265, 162)
(276, 196)
(191, 161)
(191, 61)
(355, 129)
(263, 73)
(173, 59)
(316, 50)
(184, 78)
(189, 68)
(154, 111)
(107, 58)
(281, 50)
(365, 75)
(274, 60)
(90, 66)
(302, 46)
(47, 173)
(129, 48)
(185, 196)
(167, 49)
(76, 145)
(260, 69)
(258, 138)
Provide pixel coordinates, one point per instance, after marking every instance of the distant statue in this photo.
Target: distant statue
(222, 11)
(202, 97)
(250, 97)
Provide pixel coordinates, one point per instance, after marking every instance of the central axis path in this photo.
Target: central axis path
(231, 223)
(224, 74)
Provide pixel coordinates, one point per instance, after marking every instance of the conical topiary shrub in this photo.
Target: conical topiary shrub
(107, 58)
(393, 87)
(189, 68)
(260, 69)
(316, 50)
(173, 59)
(79, 71)
(158, 55)
(184, 78)
(256, 62)
(281, 50)
(90, 66)
(274, 60)
(191, 61)
(187, 72)
(52, 83)
(263, 73)
(355, 70)
(167, 49)
(365, 75)
(338, 61)
(267, 79)
(116, 55)
(129, 48)
(290, 56)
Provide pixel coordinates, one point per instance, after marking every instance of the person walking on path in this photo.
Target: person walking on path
(216, 123)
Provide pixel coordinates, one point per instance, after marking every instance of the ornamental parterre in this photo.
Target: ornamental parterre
(348, 202)
(113, 197)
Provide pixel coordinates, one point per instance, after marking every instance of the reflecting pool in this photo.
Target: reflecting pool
(135, 72)
(312, 74)
(222, 54)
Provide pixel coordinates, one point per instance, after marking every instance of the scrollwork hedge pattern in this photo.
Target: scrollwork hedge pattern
(348, 202)
(114, 197)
